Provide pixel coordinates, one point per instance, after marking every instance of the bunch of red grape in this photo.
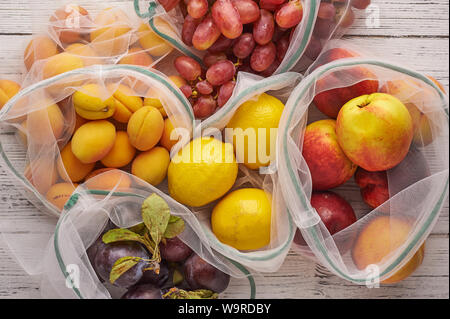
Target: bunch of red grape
(254, 34)
(207, 90)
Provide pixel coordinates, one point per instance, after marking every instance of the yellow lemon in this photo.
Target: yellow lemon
(255, 126)
(243, 219)
(202, 172)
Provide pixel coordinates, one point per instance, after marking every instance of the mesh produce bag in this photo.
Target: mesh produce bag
(416, 188)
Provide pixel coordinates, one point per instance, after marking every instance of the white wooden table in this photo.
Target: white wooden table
(412, 32)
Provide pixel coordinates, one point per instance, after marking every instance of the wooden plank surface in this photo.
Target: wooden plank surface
(414, 33)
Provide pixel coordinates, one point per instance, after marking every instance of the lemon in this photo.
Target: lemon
(259, 119)
(242, 219)
(202, 172)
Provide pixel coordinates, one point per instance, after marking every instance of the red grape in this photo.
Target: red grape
(227, 18)
(212, 58)
(290, 14)
(327, 11)
(206, 34)
(187, 90)
(188, 68)
(278, 34)
(263, 56)
(221, 45)
(169, 4)
(248, 10)
(270, 5)
(313, 49)
(264, 28)
(282, 47)
(360, 4)
(225, 93)
(271, 69)
(221, 72)
(204, 87)
(189, 26)
(197, 8)
(348, 19)
(204, 106)
(244, 46)
(275, 2)
(323, 28)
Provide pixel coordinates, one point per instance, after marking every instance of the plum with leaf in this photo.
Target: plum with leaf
(144, 291)
(199, 274)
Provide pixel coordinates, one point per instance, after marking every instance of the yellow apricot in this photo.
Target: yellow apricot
(127, 102)
(94, 102)
(152, 166)
(85, 52)
(177, 80)
(137, 56)
(60, 193)
(70, 168)
(152, 99)
(166, 140)
(145, 128)
(151, 42)
(108, 179)
(39, 48)
(46, 124)
(61, 63)
(7, 90)
(122, 152)
(93, 141)
(42, 174)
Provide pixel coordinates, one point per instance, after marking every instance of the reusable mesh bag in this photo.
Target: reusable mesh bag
(306, 43)
(418, 186)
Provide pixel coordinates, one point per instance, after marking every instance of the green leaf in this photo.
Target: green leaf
(139, 229)
(176, 293)
(156, 216)
(174, 228)
(121, 234)
(121, 266)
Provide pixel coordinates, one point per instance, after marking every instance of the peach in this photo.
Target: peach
(94, 102)
(328, 165)
(112, 34)
(145, 128)
(61, 63)
(127, 102)
(7, 90)
(137, 56)
(374, 187)
(122, 152)
(70, 168)
(39, 48)
(375, 131)
(407, 269)
(108, 179)
(152, 166)
(378, 239)
(330, 101)
(166, 139)
(68, 22)
(46, 124)
(153, 43)
(60, 193)
(85, 52)
(93, 141)
(152, 98)
(42, 174)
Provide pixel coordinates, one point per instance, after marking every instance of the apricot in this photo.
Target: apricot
(177, 80)
(79, 122)
(153, 43)
(153, 99)
(93, 141)
(112, 34)
(166, 140)
(70, 168)
(42, 174)
(85, 52)
(61, 63)
(39, 48)
(7, 90)
(127, 102)
(145, 128)
(152, 166)
(46, 124)
(380, 237)
(108, 179)
(93, 102)
(407, 269)
(137, 56)
(60, 193)
(122, 152)
(67, 23)
(22, 132)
